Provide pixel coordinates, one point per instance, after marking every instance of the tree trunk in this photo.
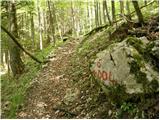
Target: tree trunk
(90, 17)
(96, 14)
(54, 21)
(40, 25)
(72, 17)
(145, 2)
(59, 29)
(104, 14)
(122, 7)
(107, 13)
(138, 12)
(128, 10)
(44, 24)
(51, 22)
(32, 30)
(16, 63)
(99, 13)
(113, 11)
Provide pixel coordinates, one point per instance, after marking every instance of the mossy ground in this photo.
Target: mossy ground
(110, 106)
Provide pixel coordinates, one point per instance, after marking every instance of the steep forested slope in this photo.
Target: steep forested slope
(76, 59)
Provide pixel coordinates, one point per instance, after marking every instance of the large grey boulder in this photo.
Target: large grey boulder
(126, 63)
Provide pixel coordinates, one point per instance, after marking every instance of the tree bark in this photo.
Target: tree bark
(96, 14)
(128, 10)
(122, 7)
(16, 63)
(113, 11)
(99, 13)
(54, 21)
(51, 22)
(32, 30)
(90, 16)
(138, 12)
(106, 9)
(72, 17)
(145, 2)
(40, 26)
(104, 14)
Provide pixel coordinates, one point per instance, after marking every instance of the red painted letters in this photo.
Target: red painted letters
(104, 75)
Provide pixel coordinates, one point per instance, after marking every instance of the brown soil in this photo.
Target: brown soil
(49, 87)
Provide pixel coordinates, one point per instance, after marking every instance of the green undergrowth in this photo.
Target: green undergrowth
(14, 89)
(94, 44)
(97, 103)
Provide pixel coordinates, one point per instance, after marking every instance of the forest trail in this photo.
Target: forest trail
(49, 87)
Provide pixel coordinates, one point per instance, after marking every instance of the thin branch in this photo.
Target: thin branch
(20, 46)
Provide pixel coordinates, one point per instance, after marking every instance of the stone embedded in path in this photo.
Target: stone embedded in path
(71, 95)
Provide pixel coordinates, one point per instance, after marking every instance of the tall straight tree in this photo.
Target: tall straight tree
(99, 13)
(16, 63)
(107, 13)
(54, 20)
(32, 28)
(145, 2)
(51, 26)
(90, 15)
(128, 10)
(122, 7)
(40, 25)
(138, 12)
(113, 11)
(104, 14)
(72, 17)
(96, 13)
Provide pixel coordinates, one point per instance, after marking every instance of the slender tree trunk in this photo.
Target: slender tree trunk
(104, 14)
(32, 30)
(44, 24)
(128, 10)
(54, 21)
(145, 2)
(2, 56)
(122, 7)
(8, 62)
(72, 17)
(138, 12)
(107, 13)
(59, 29)
(22, 25)
(93, 15)
(99, 13)
(113, 11)
(51, 22)
(90, 16)
(96, 14)
(40, 25)
(16, 63)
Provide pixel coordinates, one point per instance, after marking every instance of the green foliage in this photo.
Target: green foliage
(128, 110)
(117, 91)
(136, 43)
(94, 44)
(14, 90)
(153, 10)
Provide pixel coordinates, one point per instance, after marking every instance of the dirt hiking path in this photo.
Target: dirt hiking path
(49, 87)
